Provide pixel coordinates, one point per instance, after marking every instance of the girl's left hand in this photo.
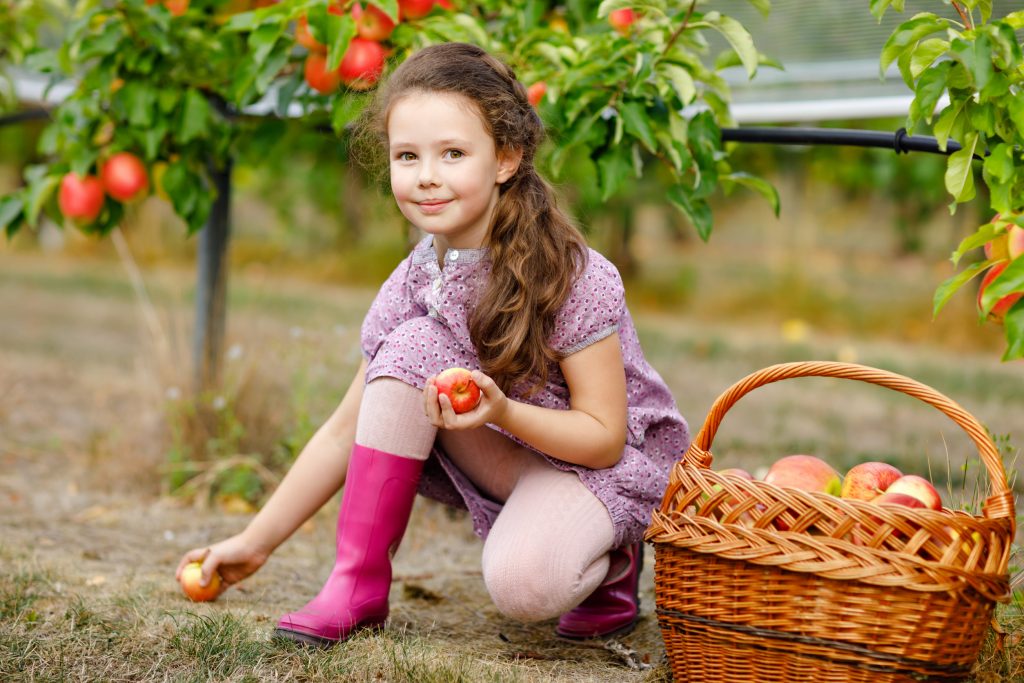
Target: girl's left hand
(491, 407)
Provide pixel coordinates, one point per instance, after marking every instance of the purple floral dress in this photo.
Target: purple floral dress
(418, 325)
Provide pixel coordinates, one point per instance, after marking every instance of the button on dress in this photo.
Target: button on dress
(418, 325)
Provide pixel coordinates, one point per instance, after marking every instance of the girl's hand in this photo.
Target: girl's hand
(234, 559)
(491, 407)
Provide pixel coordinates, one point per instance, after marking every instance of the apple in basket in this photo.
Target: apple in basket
(868, 479)
(918, 487)
(804, 472)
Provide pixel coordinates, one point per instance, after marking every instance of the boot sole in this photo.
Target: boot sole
(620, 631)
(309, 640)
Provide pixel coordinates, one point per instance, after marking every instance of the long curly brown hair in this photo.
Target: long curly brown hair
(536, 251)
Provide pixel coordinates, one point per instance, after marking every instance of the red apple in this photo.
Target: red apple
(896, 498)
(622, 19)
(124, 177)
(190, 577)
(999, 310)
(804, 472)
(916, 487)
(414, 9)
(1014, 241)
(176, 7)
(458, 385)
(372, 23)
(868, 479)
(317, 75)
(80, 197)
(535, 93)
(362, 64)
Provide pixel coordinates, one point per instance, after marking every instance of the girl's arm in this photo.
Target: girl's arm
(591, 433)
(313, 478)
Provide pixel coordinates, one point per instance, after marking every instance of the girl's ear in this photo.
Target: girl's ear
(508, 163)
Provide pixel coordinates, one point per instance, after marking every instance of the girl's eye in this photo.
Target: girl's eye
(454, 154)
(406, 156)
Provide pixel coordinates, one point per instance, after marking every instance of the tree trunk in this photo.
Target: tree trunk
(211, 284)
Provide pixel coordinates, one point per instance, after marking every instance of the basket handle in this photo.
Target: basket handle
(999, 504)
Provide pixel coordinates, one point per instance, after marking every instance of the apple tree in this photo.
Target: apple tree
(169, 93)
(977, 61)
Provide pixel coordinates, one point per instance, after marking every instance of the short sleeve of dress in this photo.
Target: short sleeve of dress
(595, 305)
(393, 305)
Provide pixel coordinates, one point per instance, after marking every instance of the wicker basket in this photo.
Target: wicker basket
(850, 591)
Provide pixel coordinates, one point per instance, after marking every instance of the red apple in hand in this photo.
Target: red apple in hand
(868, 479)
(458, 385)
(190, 577)
(124, 177)
(917, 487)
(80, 197)
(804, 472)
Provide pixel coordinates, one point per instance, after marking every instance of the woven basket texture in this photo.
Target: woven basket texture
(754, 582)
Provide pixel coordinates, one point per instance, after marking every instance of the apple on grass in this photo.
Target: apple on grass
(917, 487)
(868, 479)
(190, 577)
(458, 385)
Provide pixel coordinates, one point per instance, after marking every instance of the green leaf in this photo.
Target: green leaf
(908, 33)
(737, 36)
(1009, 281)
(762, 6)
(878, 7)
(976, 56)
(340, 32)
(930, 87)
(102, 44)
(947, 289)
(759, 185)
(638, 124)
(959, 177)
(946, 123)
(999, 162)
(978, 239)
(390, 8)
(37, 194)
(925, 54)
(697, 211)
(139, 99)
(346, 109)
(262, 41)
(195, 116)
(613, 167)
(1015, 108)
(1013, 326)
(681, 80)
(11, 213)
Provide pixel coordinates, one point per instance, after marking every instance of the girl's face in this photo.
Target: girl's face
(445, 169)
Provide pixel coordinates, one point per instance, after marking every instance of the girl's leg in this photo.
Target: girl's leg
(393, 439)
(548, 549)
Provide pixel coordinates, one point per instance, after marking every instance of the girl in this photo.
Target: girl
(569, 448)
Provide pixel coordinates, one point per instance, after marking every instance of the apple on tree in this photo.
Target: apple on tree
(1001, 307)
(304, 37)
(535, 93)
(362, 65)
(414, 9)
(622, 20)
(80, 197)
(868, 479)
(458, 385)
(371, 22)
(124, 177)
(190, 583)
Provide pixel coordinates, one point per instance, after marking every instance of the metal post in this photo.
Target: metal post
(211, 284)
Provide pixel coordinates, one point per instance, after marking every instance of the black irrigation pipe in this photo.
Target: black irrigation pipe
(899, 142)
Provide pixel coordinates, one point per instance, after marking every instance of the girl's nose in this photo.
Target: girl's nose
(427, 174)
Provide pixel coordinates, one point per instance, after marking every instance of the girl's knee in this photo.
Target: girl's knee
(530, 585)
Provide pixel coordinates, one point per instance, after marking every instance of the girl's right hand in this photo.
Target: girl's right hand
(233, 558)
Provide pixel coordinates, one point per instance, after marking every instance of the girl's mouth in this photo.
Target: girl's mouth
(433, 205)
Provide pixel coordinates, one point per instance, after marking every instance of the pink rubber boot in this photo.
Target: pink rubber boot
(379, 492)
(614, 606)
